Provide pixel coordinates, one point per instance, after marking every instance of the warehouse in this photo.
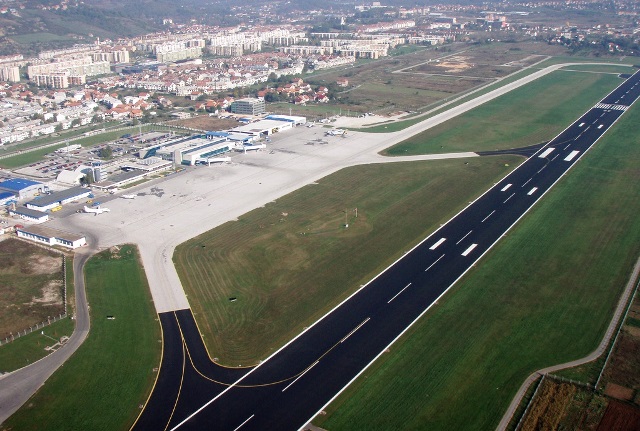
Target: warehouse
(296, 120)
(50, 236)
(46, 202)
(29, 214)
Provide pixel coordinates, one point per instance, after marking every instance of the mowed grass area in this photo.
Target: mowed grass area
(528, 115)
(290, 262)
(543, 296)
(101, 386)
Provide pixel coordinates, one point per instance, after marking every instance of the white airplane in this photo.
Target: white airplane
(96, 210)
(336, 132)
(128, 196)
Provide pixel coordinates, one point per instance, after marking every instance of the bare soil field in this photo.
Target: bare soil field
(31, 285)
(620, 417)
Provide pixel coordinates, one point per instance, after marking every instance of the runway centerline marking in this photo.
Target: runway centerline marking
(460, 240)
(430, 266)
(490, 214)
(356, 328)
(297, 378)
(469, 250)
(600, 126)
(555, 157)
(394, 296)
(571, 156)
(527, 182)
(505, 201)
(532, 191)
(437, 244)
(242, 424)
(505, 188)
(541, 169)
(581, 124)
(546, 152)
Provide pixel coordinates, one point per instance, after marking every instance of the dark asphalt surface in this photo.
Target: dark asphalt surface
(291, 387)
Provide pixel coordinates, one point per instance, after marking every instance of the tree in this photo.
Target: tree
(106, 152)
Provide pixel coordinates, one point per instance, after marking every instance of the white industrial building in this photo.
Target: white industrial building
(50, 236)
(47, 202)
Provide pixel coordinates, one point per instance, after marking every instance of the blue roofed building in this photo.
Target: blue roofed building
(6, 197)
(22, 188)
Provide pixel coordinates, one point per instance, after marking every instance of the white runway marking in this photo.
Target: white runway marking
(349, 334)
(581, 124)
(546, 152)
(490, 214)
(297, 378)
(571, 156)
(600, 126)
(526, 182)
(532, 191)
(394, 296)
(440, 241)
(430, 266)
(555, 157)
(459, 241)
(505, 188)
(505, 201)
(469, 250)
(240, 426)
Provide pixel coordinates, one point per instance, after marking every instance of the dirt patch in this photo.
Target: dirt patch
(619, 392)
(42, 264)
(620, 417)
(634, 331)
(51, 294)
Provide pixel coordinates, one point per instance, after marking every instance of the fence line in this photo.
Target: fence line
(41, 325)
(533, 397)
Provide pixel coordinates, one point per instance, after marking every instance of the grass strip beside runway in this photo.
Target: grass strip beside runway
(111, 374)
(544, 296)
(255, 283)
(525, 116)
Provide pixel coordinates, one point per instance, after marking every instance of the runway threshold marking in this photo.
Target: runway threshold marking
(505, 201)
(532, 191)
(242, 424)
(505, 188)
(394, 296)
(469, 250)
(430, 266)
(546, 152)
(440, 241)
(571, 156)
(297, 378)
(356, 328)
(460, 240)
(490, 214)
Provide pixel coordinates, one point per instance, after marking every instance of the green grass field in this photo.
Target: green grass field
(543, 296)
(528, 115)
(111, 374)
(265, 258)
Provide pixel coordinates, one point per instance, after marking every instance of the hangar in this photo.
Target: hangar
(296, 120)
(263, 128)
(46, 202)
(22, 188)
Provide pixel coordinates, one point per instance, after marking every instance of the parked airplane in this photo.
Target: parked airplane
(128, 196)
(96, 210)
(336, 132)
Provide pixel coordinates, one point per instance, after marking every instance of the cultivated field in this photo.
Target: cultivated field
(544, 296)
(290, 262)
(31, 285)
(112, 373)
(528, 115)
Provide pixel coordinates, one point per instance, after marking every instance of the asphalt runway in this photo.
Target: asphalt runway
(287, 390)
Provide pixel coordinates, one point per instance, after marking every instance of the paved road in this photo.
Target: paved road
(17, 387)
(293, 385)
